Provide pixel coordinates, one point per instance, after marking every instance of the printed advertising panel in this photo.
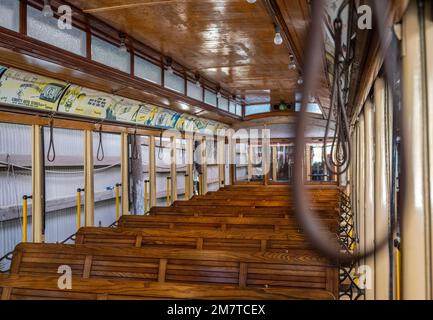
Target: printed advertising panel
(25, 89)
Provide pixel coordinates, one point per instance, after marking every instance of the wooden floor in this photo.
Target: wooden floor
(241, 242)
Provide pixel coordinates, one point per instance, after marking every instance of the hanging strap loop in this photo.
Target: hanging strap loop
(51, 154)
(135, 152)
(100, 153)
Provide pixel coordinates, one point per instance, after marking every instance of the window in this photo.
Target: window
(110, 55)
(210, 98)
(63, 177)
(106, 175)
(311, 108)
(195, 91)
(47, 30)
(147, 70)
(162, 160)
(10, 14)
(174, 82)
(239, 110)
(223, 104)
(259, 108)
(15, 182)
(212, 167)
(232, 107)
(181, 164)
(139, 162)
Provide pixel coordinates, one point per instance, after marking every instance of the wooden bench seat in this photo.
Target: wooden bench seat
(194, 239)
(296, 269)
(215, 223)
(17, 287)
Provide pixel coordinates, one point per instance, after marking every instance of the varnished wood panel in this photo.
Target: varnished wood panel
(228, 41)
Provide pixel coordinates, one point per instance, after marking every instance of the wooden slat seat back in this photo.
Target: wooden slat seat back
(215, 223)
(193, 239)
(296, 269)
(17, 287)
(234, 211)
(249, 203)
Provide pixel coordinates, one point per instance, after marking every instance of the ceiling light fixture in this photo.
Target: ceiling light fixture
(123, 47)
(278, 39)
(47, 11)
(300, 81)
(251, 1)
(218, 92)
(169, 64)
(197, 79)
(292, 63)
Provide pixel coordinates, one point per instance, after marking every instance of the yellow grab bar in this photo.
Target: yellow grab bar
(186, 187)
(117, 201)
(24, 239)
(79, 207)
(168, 192)
(146, 196)
(397, 275)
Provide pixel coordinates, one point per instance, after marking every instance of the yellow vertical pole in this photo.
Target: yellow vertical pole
(173, 169)
(124, 161)
(146, 196)
(274, 163)
(204, 165)
(37, 192)
(152, 172)
(117, 201)
(250, 162)
(397, 275)
(168, 191)
(186, 187)
(89, 183)
(221, 160)
(79, 208)
(25, 213)
(189, 164)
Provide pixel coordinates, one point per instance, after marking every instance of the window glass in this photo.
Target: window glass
(10, 14)
(174, 82)
(110, 55)
(259, 108)
(147, 70)
(210, 97)
(15, 182)
(47, 30)
(195, 91)
(223, 104)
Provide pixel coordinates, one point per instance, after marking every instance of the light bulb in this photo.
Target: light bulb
(300, 81)
(292, 64)
(123, 48)
(170, 70)
(218, 95)
(197, 83)
(47, 11)
(278, 40)
(251, 1)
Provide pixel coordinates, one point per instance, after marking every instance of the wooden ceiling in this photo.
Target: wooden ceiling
(227, 41)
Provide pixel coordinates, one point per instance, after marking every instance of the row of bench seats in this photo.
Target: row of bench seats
(170, 255)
